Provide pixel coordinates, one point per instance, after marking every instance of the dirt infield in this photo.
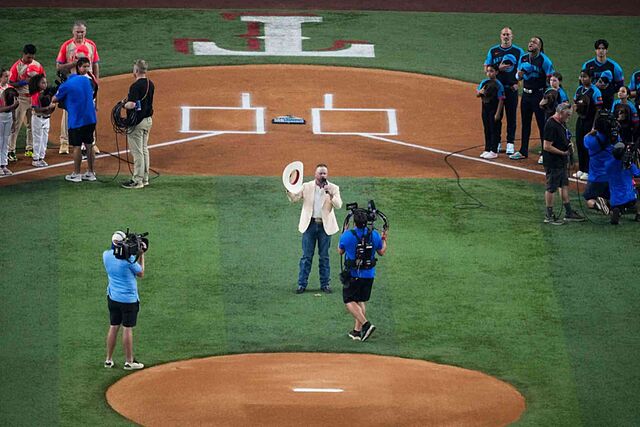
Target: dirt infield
(312, 389)
(431, 116)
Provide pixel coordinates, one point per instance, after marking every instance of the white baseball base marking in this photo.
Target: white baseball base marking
(245, 105)
(316, 115)
(318, 390)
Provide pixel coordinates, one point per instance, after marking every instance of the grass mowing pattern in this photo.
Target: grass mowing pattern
(485, 289)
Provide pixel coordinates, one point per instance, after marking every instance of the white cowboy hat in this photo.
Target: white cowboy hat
(292, 176)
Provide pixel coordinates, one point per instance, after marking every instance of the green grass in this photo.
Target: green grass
(551, 310)
(490, 289)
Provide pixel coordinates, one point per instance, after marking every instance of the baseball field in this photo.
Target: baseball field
(473, 283)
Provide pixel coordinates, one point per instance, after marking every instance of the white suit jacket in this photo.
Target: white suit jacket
(307, 194)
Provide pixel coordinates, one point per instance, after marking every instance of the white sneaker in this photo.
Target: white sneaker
(74, 177)
(491, 155)
(540, 160)
(43, 163)
(89, 176)
(484, 154)
(511, 149)
(109, 364)
(5, 171)
(130, 366)
(577, 174)
(36, 163)
(584, 176)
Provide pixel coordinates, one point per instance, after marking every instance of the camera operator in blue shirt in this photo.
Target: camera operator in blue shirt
(122, 299)
(357, 290)
(599, 144)
(623, 192)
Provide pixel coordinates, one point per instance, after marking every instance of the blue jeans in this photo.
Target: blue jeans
(315, 233)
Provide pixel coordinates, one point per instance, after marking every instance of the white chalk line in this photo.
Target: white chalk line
(317, 390)
(452, 154)
(100, 156)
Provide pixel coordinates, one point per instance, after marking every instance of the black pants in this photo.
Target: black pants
(583, 127)
(491, 135)
(529, 106)
(510, 109)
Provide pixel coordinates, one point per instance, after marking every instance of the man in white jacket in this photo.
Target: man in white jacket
(317, 224)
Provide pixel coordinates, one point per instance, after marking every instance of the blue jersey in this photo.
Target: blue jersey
(634, 84)
(562, 95)
(510, 55)
(348, 243)
(77, 95)
(621, 182)
(596, 99)
(122, 286)
(500, 95)
(598, 156)
(609, 65)
(634, 110)
(536, 70)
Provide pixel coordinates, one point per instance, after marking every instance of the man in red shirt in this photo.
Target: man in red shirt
(19, 76)
(77, 47)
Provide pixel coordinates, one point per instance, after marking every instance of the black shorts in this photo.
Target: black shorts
(358, 290)
(82, 134)
(596, 189)
(123, 313)
(556, 178)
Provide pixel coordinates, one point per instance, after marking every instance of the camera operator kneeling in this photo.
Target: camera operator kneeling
(360, 244)
(599, 143)
(623, 193)
(122, 296)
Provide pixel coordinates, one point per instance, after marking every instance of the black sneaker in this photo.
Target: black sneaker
(355, 335)
(300, 290)
(615, 216)
(367, 330)
(552, 220)
(11, 156)
(132, 184)
(574, 217)
(326, 289)
(601, 205)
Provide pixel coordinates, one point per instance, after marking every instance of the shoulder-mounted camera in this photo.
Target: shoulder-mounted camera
(133, 245)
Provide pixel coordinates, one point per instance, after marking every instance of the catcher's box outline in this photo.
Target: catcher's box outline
(185, 126)
(316, 114)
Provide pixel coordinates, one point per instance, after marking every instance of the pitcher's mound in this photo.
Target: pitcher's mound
(311, 389)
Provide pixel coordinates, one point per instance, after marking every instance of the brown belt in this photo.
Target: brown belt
(319, 220)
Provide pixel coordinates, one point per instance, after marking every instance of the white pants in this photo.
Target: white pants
(40, 132)
(6, 120)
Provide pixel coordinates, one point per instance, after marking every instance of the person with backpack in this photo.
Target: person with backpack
(359, 245)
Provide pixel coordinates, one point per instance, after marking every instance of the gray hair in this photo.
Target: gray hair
(141, 65)
(79, 24)
(563, 107)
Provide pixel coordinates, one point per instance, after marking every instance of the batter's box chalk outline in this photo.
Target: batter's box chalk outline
(316, 116)
(245, 105)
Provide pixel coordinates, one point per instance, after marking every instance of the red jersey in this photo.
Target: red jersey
(70, 52)
(35, 99)
(21, 71)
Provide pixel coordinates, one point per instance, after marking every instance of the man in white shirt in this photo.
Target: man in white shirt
(317, 223)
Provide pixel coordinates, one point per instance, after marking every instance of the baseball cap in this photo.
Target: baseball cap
(606, 76)
(509, 59)
(118, 236)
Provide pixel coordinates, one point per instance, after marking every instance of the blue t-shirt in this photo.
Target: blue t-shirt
(562, 96)
(598, 157)
(122, 285)
(77, 95)
(634, 110)
(348, 243)
(621, 182)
